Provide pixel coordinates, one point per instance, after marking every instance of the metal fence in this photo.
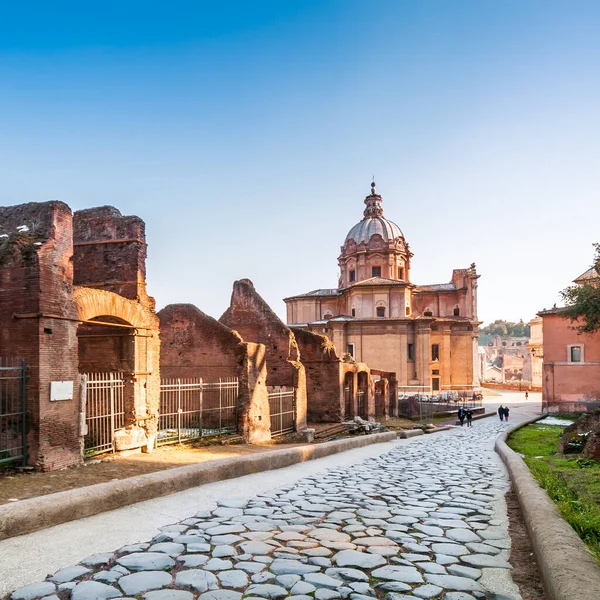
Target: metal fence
(426, 406)
(104, 412)
(379, 403)
(362, 410)
(13, 411)
(192, 408)
(282, 404)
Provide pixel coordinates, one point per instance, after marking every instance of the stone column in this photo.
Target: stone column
(423, 354)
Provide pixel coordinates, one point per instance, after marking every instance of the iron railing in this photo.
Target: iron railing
(13, 411)
(426, 406)
(104, 410)
(192, 408)
(282, 404)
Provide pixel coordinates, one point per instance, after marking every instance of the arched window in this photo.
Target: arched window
(456, 311)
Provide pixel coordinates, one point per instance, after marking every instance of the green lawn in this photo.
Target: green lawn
(572, 482)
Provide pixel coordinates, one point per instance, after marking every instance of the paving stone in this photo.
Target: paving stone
(485, 560)
(398, 573)
(291, 567)
(223, 550)
(221, 595)
(250, 567)
(393, 586)
(170, 548)
(445, 559)
(347, 574)
(233, 579)
(267, 590)
(192, 560)
(198, 547)
(302, 588)
(449, 549)
(462, 535)
(463, 571)
(70, 573)
(321, 580)
(427, 591)
(98, 559)
(263, 577)
(93, 590)
(394, 596)
(458, 596)
(168, 595)
(352, 558)
(374, 541)
(252, 547)
(218, 564)
(431, 567)
(453, 583)
(143, 581)
(483, 548)
(35, 590)
(146, 561)
(199, 580)
(327, 594)
(287, 581)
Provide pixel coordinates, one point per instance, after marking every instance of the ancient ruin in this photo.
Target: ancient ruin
(74, 307)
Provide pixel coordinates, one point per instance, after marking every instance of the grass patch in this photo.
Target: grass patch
(573, 483)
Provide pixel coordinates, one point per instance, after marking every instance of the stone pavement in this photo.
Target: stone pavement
(425, 520)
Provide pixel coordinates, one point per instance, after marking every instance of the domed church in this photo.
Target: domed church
(426, 334)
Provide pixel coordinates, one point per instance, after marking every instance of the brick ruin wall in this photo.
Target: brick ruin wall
(109, 252)
(196, 345)
(36, 278)
(255, 321)
(324, 377)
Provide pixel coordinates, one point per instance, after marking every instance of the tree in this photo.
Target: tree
(506, 329)
(582, 300)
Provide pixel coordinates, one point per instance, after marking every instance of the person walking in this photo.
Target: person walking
(526, 395)
(501, 412)
(469, 418)
(461, 416)
(506, 411)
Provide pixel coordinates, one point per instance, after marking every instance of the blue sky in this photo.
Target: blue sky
(245, 134)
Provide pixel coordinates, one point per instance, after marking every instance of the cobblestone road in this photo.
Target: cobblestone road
(426, 520)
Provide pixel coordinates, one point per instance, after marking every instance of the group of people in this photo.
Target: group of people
(503, 412)
(465, 414)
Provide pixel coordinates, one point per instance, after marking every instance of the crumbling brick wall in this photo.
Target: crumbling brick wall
(196, 345)
(255, 321)
(35, 286)
(109, 252)
(324, 377)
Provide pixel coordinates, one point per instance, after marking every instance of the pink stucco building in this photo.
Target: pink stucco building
(571, 368)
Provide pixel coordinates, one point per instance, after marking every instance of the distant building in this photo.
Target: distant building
(533, 366)
(426, 334)
(571, 362)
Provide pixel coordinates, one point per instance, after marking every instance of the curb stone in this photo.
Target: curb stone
(33, 514)
(567, 568)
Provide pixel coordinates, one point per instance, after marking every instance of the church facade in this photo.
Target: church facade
(426, 334)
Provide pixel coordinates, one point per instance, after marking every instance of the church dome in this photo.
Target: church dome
(374, 223)
(370, 226)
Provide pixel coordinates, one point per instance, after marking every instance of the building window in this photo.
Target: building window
(375, 271)
(350, 350)
(428, 313)
(381, 311)
(457, 312)
(576, 354)
(435, 352)
(434, 328)
(352, 276)
(408, 311)
(353, 312)
(327, 316)
(435, 372)
(435, 384)
(401, 273)
(411, 351)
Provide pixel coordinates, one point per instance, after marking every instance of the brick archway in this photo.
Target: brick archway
(122, 335)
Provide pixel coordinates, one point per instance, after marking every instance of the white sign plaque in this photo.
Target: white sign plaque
(61, 390)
